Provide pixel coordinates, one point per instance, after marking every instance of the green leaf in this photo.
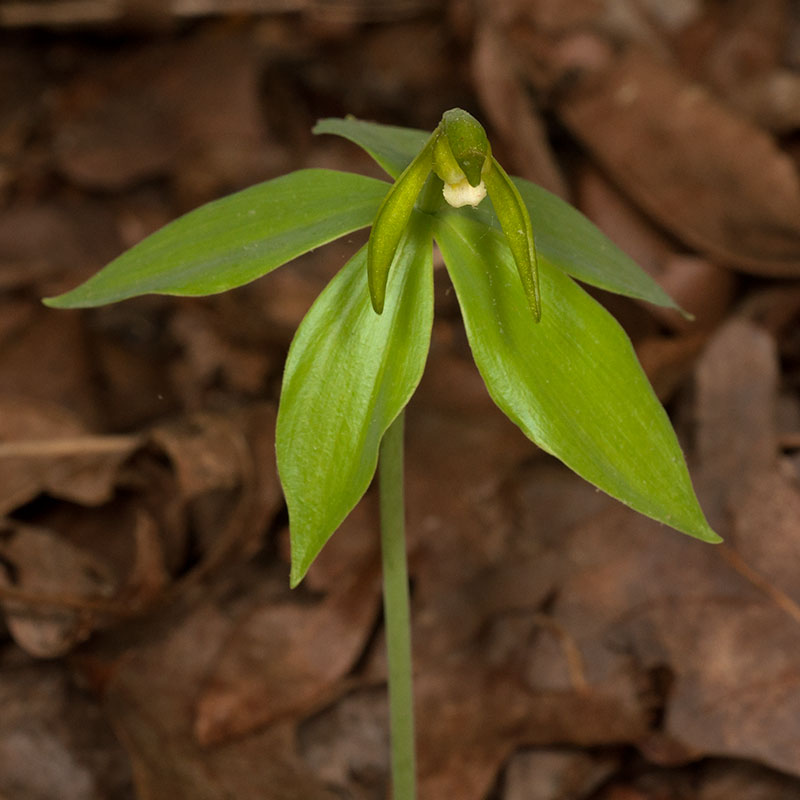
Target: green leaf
(571, 382)
(393, 148)
(349, 373)
(232, 241)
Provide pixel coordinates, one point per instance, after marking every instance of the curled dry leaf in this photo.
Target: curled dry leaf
(56, 587)
(54, 740)
(287, 659)
(510, 108)
(150, 698)
(45, 448)
(563, 774)
(223, 484)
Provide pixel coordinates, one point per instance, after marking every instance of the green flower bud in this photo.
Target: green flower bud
(459, 153)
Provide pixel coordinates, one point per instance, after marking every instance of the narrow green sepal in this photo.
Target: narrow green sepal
(516, 224)
(391, 221)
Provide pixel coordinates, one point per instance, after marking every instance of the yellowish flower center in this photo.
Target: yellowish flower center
(462, 194)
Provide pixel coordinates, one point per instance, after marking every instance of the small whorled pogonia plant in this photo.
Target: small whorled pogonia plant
(553, 359)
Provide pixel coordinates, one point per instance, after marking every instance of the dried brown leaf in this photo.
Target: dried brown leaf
(54, 741)
(512, 113)
(150, 700)
(44, 448)
(710, 177)
(284, 659)
(48, 361)
(550, 774)
(43, 565)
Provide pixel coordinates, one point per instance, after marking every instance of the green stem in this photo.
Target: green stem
(396, 611)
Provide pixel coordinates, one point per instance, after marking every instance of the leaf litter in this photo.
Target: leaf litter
(565, 649)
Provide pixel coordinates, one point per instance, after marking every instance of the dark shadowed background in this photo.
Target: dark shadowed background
(565, 648)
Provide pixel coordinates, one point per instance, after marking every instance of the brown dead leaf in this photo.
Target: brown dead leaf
(550, 774)
(736, 404)
(48, 361)
(206, 451)
(285, 659)
(511, 112)
(717, 182)
(347, 745)
(54, 741)
(150, 699)
(226, 483)
(39, 564)
(45, 448)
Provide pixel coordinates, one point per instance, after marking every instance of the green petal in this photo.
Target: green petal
(516, 224)
(232, 241)
(349, 374)
(572, 382)
(391, 221)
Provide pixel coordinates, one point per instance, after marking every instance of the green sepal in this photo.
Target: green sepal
(516, 224)
(348, 375)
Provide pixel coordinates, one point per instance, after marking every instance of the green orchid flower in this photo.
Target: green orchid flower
(458, 153)
(569, 379)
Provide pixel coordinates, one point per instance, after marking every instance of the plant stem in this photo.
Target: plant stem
(396, 612)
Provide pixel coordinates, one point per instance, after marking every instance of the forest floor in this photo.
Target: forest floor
(565, 647)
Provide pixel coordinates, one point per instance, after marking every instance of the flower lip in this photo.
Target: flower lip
(463, 193)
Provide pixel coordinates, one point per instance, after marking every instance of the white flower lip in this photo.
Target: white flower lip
(462, 194)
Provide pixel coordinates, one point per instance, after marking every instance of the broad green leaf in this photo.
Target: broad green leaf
(571, 382)
(393, 148)
(563, 235)
(232, 241)
(349, 373)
